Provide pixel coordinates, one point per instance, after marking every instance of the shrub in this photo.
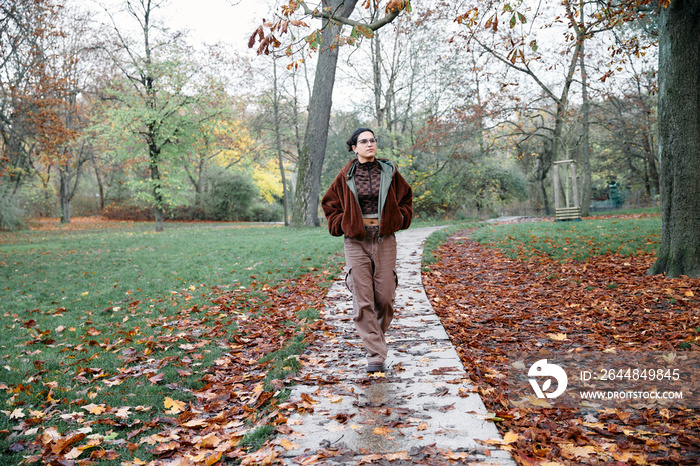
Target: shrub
(230, 196)
(127, 211)
(187, 212)
(227, 197)
(11, 216)
(37, 199)
(263, 212)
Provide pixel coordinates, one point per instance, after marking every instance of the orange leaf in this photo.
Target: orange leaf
(381, 431)
(308, 399)
(95, 409)
(213, 458)
(174, 406)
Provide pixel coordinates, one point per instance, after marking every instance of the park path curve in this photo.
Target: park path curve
(424, 411)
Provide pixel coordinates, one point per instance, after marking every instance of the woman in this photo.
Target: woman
(367, 202)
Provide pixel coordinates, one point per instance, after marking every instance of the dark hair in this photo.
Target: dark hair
(353, 139)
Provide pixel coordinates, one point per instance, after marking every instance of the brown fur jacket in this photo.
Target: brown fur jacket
(342, 209)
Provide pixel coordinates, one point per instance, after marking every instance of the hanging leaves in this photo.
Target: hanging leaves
(398, 5)
(492, 23)
(361, 31)
(314, 40)
(281, 27)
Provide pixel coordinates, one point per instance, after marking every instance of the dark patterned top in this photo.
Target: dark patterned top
(367, 177)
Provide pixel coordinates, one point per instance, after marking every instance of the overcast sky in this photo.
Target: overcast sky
(211, 21)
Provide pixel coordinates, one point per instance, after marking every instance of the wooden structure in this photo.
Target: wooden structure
(566, 203)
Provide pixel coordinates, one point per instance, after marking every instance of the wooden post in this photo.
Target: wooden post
(567, 207)
(557, 194)
(574, 185)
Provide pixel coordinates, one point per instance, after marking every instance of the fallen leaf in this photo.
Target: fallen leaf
(213, 458)
(173, 406)
(261, 457)
(455, 456)
(381, 431)
(308, 399)
(371, 458)
(286, 444)
(573, 452)
(95, 409)
(74, 453)
(156, 378)
(401, 455)
(510, 437)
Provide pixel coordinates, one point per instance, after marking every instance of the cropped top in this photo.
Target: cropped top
(367, 176)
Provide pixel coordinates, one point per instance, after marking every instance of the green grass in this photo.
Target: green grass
(255, 439)
(284, 361)
(635, 211)
(72, 303)
(574, 240)
(93, 270)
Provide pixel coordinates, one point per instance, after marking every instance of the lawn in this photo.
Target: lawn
(108, 331)
(577, 240)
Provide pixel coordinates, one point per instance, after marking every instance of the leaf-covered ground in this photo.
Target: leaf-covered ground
(491, 304)
(200, 426)
(189, 374)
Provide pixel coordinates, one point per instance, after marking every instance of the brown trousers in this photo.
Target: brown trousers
(372, 280)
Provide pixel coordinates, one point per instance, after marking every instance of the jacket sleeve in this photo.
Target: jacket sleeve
(404, 196)
(332, 206)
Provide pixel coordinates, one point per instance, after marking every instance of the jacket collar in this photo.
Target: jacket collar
(387, 166)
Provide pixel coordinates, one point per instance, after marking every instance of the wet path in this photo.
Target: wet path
(423, 411)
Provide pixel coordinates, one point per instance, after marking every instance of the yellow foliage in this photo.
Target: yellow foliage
(267, 178)
(229, 140)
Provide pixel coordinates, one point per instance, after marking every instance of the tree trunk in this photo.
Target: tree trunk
(650, 157)
(46, 210)
(100, 186)
(65, 210)
(679, 139)
(376, 49)
(64, 196)
(158, 198)
(305, 211)
(541, 169)
(278, 143)
(586, 129)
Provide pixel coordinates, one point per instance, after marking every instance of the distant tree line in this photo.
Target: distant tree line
(130, 119)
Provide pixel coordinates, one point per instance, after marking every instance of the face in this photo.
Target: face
(365, 150)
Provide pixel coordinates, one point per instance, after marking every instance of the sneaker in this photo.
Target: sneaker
(375, 367)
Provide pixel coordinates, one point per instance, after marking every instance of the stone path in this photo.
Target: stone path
(423, 411)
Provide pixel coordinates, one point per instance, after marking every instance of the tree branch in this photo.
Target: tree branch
(316, 13)
(526, 69)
